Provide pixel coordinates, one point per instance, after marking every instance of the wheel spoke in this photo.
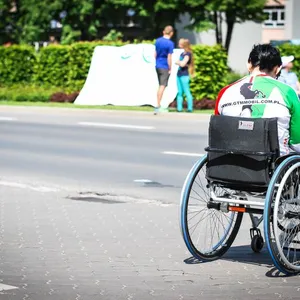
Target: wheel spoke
(196, 214)
(199, 223)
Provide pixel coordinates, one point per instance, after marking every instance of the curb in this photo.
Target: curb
(108, 111)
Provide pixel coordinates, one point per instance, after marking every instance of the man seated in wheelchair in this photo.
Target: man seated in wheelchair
(261, 95)
(255, 127)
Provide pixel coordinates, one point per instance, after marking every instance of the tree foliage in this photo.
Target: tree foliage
(5, 20)
(27, 21)
(211, 14)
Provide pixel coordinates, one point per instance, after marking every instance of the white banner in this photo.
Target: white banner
(126, 76)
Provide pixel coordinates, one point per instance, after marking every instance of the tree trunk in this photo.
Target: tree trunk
(220, 28)
(230, 25)
(217, 26)
(218, 23)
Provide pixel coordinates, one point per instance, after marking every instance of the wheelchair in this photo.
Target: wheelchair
(243, 172)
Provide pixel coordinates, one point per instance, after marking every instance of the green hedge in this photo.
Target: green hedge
(52, 66)
(67, 66)
(80, 59)
(27, 93)
(210, 71)
(16, 64)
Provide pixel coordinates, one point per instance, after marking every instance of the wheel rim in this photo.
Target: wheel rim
(217, 224)
(286, 227)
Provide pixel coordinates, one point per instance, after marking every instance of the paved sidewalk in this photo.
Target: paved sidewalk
(61, 246)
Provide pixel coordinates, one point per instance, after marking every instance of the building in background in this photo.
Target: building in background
(283, 24)
(274, 27)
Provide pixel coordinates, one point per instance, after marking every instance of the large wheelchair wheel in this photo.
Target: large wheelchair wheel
(207, 232)
(282, 216)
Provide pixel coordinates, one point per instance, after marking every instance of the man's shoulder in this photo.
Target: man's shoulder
(236, 83)
(164, 40)
(158, 40)
(294, 74)
(172, 43)
(230, 90)
(285, 74)
(280, 84)
(287, 92)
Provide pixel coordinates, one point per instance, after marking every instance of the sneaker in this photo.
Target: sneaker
(156, 110)
(163, 110)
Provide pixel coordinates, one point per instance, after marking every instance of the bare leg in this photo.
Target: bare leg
(160, 93)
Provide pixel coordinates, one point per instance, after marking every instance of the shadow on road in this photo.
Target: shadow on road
(244, 254)
(241, 254)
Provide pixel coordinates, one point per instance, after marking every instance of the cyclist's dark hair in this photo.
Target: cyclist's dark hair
(265, 56)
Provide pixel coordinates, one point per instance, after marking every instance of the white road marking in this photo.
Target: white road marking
(28, 187)
(143, 180)
(95, 124)
(5, 287)
(182, 153)
(7, 119)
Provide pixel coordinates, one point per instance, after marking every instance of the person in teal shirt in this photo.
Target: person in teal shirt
(185, 71)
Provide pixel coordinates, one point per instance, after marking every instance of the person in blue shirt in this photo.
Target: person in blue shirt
(163, 55)
(287, 76)
(185, 71)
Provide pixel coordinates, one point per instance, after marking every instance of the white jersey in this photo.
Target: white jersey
(262, 96)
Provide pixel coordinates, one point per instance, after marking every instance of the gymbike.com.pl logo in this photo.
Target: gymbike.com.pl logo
(251, 102)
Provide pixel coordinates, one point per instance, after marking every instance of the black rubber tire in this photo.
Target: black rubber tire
(257, 243)
(184, 222)
(268, 214)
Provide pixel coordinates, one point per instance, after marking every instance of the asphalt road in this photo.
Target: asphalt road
(89, 210)
(102, 151)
